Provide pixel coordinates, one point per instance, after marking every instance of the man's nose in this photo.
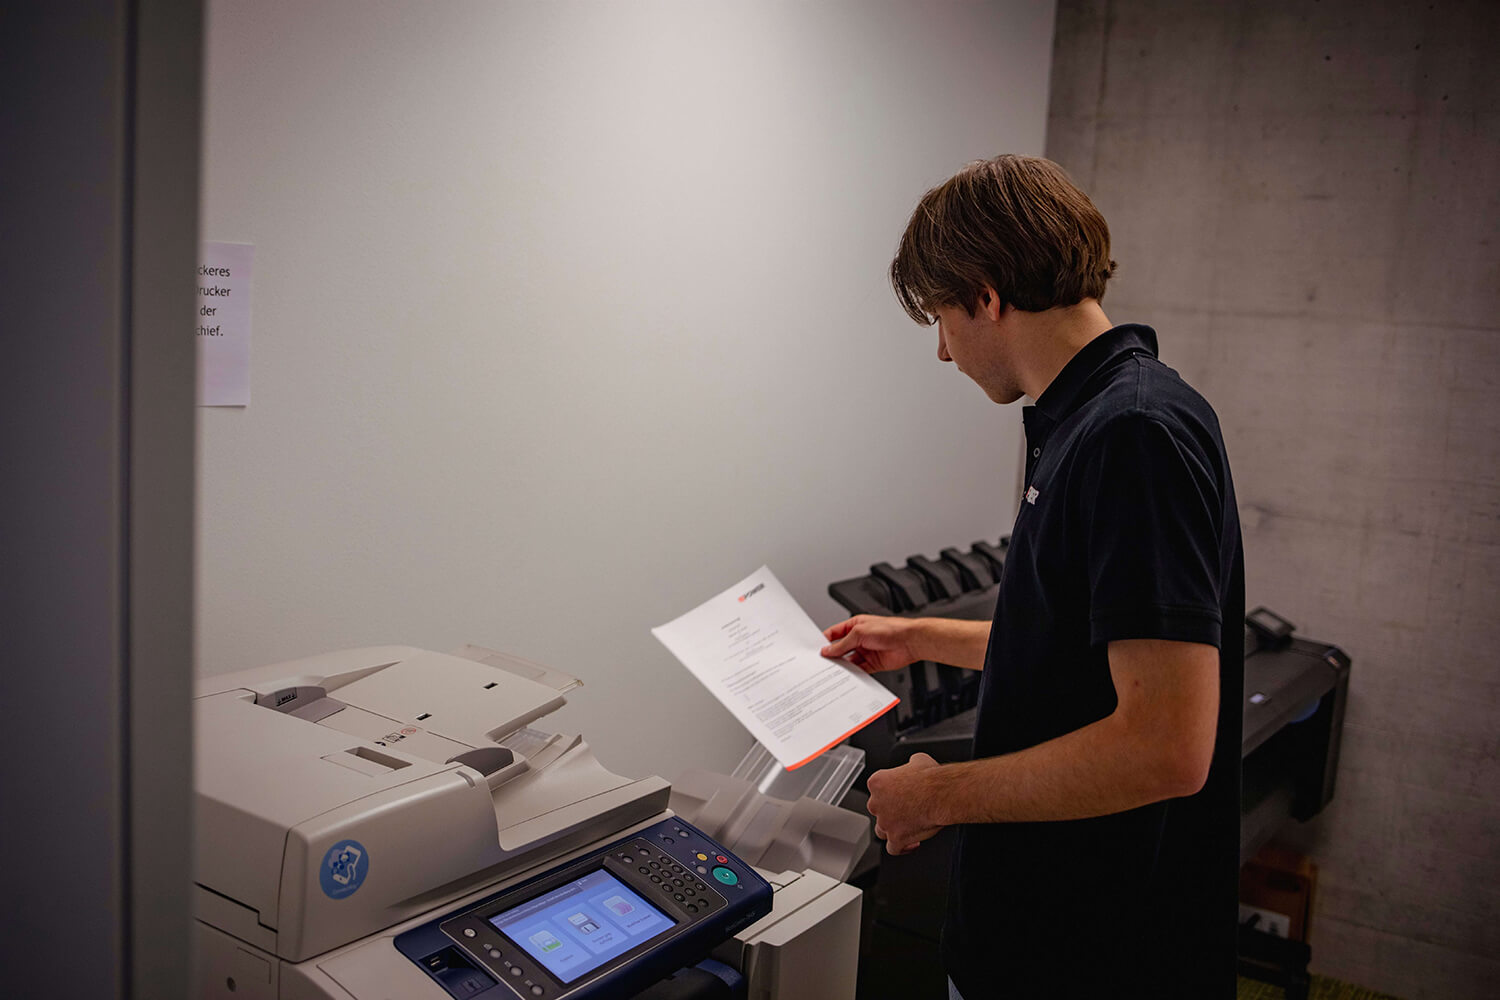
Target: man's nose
(943, 354)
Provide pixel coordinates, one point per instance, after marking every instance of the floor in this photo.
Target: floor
(1322, 989)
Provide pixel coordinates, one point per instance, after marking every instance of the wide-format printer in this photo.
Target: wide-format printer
(388, 824)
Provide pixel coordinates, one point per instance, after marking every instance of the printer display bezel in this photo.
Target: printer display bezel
(533, 968)
(662, 842)
(508, 916)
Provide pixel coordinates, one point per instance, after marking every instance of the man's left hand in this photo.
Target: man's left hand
(901, 801)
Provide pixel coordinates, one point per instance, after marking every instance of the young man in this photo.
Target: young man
(1099, 843)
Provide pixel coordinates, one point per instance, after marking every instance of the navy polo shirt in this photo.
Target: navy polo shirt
(1128, 530)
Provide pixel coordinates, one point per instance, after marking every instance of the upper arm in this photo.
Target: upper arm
(1154, 535)
(1168, 694)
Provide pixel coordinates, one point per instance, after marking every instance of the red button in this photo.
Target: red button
(721, 859)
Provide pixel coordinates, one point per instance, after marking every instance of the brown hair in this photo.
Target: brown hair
(1015, 223)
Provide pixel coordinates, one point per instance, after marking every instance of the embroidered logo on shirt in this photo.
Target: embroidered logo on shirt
(1031, 495)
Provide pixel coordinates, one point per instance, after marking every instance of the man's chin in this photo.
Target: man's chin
(1004, 396)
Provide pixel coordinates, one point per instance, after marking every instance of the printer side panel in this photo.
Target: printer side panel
(226, 968)
(374, 970)
(807, 948)
(375, 862)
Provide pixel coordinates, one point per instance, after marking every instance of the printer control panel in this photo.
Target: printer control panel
(608, 924)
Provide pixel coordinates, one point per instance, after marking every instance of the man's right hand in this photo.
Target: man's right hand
(876, 643)
(872, 642)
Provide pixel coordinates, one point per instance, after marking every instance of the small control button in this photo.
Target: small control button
(653, 864)
(656, 878)
(726, 876)
(682, 833)
(689, 890)
(667, 840)
(665, 887)
(515, 970)
(536, 991)
(468, 932)
(645, 870)
(721, 859)
(678, 896)
(700, 886)
(702, 870)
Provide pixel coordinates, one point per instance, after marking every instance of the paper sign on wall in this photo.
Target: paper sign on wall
(223, 324)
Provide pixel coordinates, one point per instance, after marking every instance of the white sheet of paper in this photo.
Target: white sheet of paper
(756, 650)
(222, 324)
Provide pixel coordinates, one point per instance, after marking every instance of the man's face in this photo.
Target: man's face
(976, 346)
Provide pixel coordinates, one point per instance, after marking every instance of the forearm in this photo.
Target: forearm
(1100, 769)
(1157, 744)
(954, 641)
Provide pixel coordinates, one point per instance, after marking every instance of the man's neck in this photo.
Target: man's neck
(1047, 341)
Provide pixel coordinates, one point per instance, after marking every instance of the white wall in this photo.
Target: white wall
(569, 315)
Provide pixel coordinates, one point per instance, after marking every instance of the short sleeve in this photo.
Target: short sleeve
(1152, 517)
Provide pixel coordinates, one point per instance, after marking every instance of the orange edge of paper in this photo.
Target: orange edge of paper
(810, 757)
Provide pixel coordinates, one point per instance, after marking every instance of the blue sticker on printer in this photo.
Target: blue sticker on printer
(344, 868)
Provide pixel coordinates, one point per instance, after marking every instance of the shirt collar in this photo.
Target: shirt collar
(1065, 392)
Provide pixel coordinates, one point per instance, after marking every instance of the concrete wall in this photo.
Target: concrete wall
(569, 315)
(1305, 200)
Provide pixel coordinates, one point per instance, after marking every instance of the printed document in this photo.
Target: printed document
(756, 649)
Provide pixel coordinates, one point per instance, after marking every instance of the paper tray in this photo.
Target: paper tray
(825, 778)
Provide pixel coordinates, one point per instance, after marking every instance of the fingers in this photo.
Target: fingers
(895, 824)
(875, 782)
(838, 631)
(891, 846)
(836, 649)
(862, 633)
(844, 638)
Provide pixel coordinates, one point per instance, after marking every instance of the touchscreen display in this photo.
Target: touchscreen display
(578, 927)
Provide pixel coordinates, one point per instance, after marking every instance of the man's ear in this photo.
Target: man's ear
(990, 304)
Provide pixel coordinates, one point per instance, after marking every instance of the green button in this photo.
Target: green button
(726, 876)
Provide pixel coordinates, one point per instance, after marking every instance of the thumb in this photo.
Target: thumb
(848, 643)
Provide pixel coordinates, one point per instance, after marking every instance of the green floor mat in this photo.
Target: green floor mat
(1322, 989)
